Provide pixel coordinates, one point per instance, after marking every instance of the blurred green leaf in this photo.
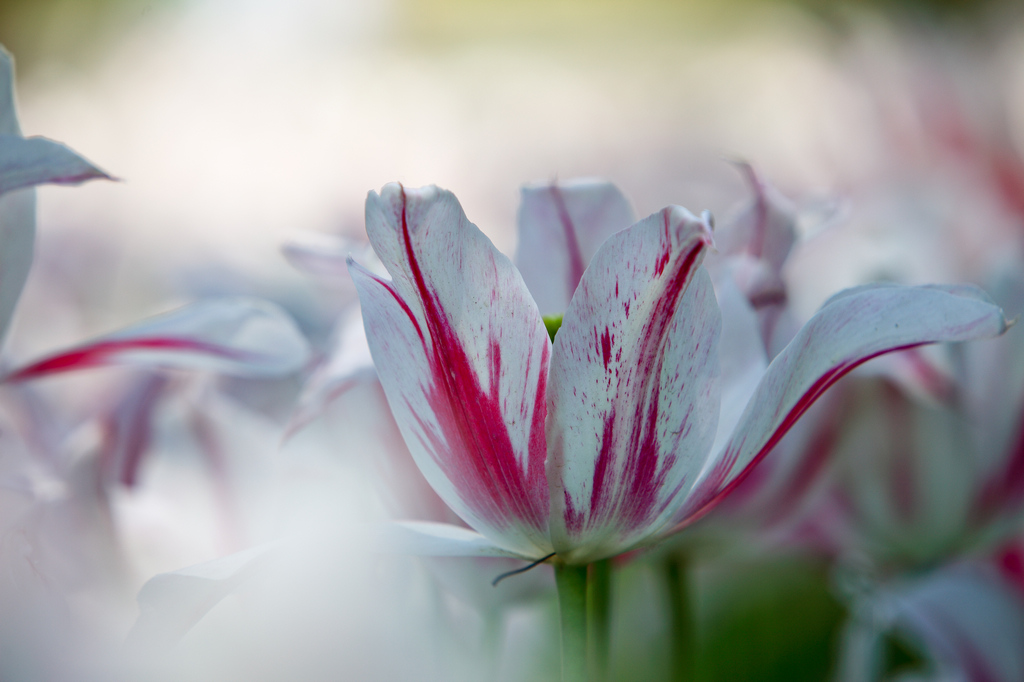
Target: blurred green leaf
(766, 620)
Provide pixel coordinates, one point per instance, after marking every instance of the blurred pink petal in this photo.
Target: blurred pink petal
(246, 337)
(561, 227)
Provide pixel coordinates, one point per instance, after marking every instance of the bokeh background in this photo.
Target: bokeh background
(235, 123)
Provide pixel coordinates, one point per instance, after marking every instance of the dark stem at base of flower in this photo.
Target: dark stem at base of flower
(524, 569)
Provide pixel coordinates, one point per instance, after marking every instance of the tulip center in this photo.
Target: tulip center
(552, 323)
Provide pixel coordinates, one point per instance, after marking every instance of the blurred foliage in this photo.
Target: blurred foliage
(766, 620)
(554, 21)
(900, 657)
(758, 619)
(566, 21)
(922, 10)
(67, 33)
(71, 33)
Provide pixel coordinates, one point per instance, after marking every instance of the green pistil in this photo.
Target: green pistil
(553, 323)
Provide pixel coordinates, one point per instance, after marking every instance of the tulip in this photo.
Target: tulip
(609, 438)
(601, 442)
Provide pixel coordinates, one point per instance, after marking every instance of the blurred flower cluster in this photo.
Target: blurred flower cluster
(782, 443)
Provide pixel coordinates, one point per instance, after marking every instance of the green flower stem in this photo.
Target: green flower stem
(677, 576)
(599, 592)
(572, 605)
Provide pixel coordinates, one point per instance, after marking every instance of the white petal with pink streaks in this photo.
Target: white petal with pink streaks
(561, 227)
(240, 336)
(462, 354)
(852, 327)
(634, 391)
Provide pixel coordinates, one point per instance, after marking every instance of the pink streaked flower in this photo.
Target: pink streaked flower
(911, 483)
(605, 440)
(965, 618)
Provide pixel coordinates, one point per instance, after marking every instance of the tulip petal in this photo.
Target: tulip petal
(239, 336)
(741, 355)
(349, 365)
(322, 255)
(17, 244)
(462, 354)
(851, 328)
(905, 473)
(993, 374)
(8, 112)
(26, 162)
(170, 604)
(634, 392)
(765, 230)
(128, 428)
(761, 238)
(17, 211)
(561, 226)
(971, 622)
(427, 538)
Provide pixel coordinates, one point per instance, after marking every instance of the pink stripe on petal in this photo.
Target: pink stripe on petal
(561, 227)
(723, 479)
(634, 392)
(576, 265)
(462, 354)
(128, 426)
(776, 490)
(474, 417)
(110, 352)
(238, 336)
(852, 328)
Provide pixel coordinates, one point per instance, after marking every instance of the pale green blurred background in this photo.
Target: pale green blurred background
(254, 117)
(68, 31)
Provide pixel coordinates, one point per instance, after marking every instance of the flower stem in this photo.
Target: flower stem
(572, 605)
(599, 591)
(677, 576)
